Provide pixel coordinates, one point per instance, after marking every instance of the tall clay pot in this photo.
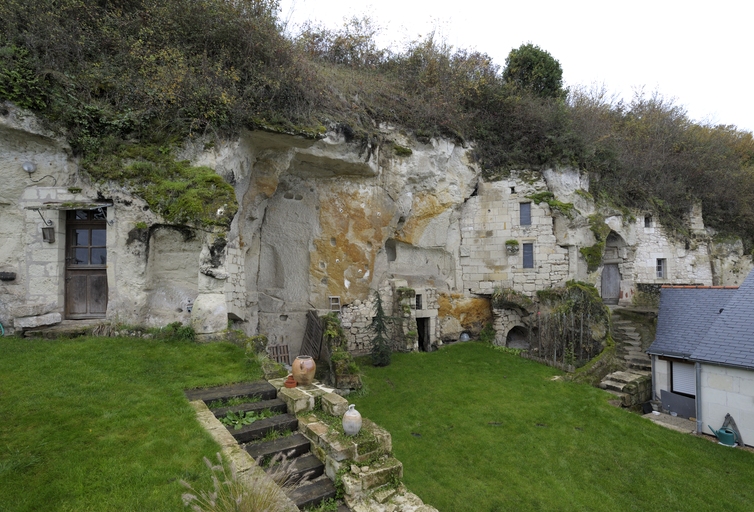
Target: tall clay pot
(351, 421)
(303, 369)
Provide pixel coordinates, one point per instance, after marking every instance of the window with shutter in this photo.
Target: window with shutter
(525, 214)
(684, 379)
(528, 252)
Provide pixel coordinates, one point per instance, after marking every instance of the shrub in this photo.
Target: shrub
(231, 492)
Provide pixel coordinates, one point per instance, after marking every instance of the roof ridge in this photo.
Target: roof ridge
(700, 287)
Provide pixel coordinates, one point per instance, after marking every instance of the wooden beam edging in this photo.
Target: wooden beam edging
(243, 464)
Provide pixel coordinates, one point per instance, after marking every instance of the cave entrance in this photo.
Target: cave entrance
(518, 337)
(422, 329)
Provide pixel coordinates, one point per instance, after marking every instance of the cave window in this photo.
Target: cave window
(513, 190)
(335, 304)
(662, 268)
(419, 301)
(525, 214)
(390, 250)
(647, 221)
(528, 254)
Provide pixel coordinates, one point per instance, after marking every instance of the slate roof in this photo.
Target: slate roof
(686, 314)
(730, 340)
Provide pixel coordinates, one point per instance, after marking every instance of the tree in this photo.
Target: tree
(380, 343)
(533, 69)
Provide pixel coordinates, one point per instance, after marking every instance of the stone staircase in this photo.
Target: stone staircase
(632, 384)
(304, 479)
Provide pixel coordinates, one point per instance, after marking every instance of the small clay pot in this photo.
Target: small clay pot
(289, 383)
(303, 369)
(351, 421)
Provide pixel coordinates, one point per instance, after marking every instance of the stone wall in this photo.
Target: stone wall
(328, 219)
(492, 218)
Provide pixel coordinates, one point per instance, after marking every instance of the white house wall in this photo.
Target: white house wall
(728, 391)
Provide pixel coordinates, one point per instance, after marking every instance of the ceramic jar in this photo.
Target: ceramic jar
(303, 369)
(351, 421)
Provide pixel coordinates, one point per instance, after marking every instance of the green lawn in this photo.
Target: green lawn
(480, 430)
(98, 424)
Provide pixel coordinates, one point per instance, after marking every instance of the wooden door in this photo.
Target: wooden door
(86, 265)
(610, 283)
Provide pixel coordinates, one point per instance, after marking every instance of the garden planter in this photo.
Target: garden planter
(351, 421)
(303, 369)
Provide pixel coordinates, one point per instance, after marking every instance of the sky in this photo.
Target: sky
(697, 53)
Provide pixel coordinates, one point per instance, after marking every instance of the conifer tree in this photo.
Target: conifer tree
(380, 343)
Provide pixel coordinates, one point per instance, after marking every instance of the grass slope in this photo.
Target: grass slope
(480, 430)
(102, 423)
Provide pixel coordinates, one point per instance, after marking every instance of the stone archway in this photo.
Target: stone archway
(518, 337)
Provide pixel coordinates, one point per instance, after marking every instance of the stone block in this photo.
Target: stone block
(382, 473)
(277, 383)
(22, 310)
(30, 322)
(296, 400)
(334, 404)
(209, 314)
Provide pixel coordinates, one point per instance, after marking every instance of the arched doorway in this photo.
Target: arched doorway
(611, 277)
(518, 337)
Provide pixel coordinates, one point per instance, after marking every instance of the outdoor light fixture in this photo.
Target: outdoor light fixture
(48, 232)
(31, 167)
(48, 235)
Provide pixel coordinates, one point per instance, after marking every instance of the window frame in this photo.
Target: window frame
(524, 220)
(661, 268)
(675, 378)
(523, 254)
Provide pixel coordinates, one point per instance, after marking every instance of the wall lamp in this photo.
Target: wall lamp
(31, 167)
(48, 232)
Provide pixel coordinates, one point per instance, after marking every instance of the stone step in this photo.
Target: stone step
(624, 377)
(275, 405)
(261, 428)
(647, 367)
(611, 385)
(621, 396)
(291, 446)
(312, 494)
(304, 467)
(261, 389)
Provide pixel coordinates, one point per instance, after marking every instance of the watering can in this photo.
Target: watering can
(725, 435)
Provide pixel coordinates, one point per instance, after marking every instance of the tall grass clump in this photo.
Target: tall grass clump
(234, 492)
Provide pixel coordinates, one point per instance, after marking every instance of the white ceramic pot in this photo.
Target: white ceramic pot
(351, 421)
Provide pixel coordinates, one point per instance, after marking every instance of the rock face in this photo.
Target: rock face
(325, 225)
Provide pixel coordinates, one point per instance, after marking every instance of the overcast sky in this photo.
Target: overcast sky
(699, 53)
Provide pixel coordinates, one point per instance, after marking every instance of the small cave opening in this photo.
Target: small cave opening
(518, 337)
(390, 250)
